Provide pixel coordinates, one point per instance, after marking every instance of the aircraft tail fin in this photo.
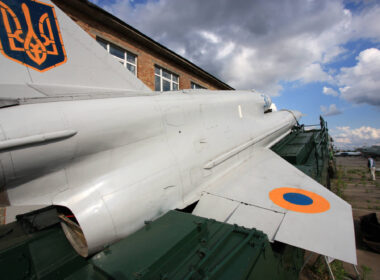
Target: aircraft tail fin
(43, 49)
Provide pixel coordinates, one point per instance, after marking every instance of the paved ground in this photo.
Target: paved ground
(353, 184)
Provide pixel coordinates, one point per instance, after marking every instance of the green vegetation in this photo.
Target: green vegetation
(338, 270)
(355, 171)
(365, 272)
(338, 185)
(320, 269)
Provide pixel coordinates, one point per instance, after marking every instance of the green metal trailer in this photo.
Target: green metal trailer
(310, 151)
(176, 246)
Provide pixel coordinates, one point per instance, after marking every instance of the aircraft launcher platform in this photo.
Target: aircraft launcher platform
(176, 246)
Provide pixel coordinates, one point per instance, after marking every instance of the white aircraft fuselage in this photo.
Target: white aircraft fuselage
(117, 162)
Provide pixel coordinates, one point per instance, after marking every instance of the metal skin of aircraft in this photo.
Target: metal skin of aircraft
(77, 130)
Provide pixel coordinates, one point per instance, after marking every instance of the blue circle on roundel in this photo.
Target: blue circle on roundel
(297, 198)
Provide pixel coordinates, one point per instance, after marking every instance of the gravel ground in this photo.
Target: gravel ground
(2, 213)
(354, 184)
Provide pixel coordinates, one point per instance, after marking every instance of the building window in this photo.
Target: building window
(165, 80)
(127, 59)
(196, 86)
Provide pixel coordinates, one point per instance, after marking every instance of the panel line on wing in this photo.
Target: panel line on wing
(245, 203)
(278, 228)
(240, 213)
(230, 215)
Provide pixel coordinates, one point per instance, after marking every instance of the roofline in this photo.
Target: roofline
(169, 52)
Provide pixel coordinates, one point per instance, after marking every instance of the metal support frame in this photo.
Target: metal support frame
(329, 268)
(356, 271)
(306, 261)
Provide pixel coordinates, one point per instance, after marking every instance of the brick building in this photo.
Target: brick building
(155, 65)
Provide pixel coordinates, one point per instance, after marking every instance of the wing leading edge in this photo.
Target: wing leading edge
(269, 194)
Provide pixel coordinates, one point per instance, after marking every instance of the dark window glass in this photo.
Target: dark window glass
(165, 85)
(196, 86)
(103, 44)
(116, 52)
(131, 58)
(131, 68)
(166, 74)
(157, 83)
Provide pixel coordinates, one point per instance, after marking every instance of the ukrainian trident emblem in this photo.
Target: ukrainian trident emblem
(30, 35)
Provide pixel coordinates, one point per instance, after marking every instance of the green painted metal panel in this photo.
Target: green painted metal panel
(308, 150)
(176, 246)
(45, 254)
(183, 246)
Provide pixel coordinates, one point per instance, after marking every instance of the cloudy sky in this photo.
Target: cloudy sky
(321, 57)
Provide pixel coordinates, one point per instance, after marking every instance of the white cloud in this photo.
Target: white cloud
(225, 50)
(366, 24)
(330, 54)
(211, 37)
(355, 137)
(329, 91)
(332, 110)
(253, 44)
(361, 83)
(314, 73)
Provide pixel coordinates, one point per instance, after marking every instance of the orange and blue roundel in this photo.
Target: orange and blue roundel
(299, 200)
(30, 35)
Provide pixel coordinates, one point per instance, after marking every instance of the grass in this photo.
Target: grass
(354, 177)
(365, 272)
(353, 171)
(319, 268)
(338, 270)
(338, 185)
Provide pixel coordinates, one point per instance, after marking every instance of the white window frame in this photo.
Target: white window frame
(196, 86)
(124, 61)
(162, 78)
